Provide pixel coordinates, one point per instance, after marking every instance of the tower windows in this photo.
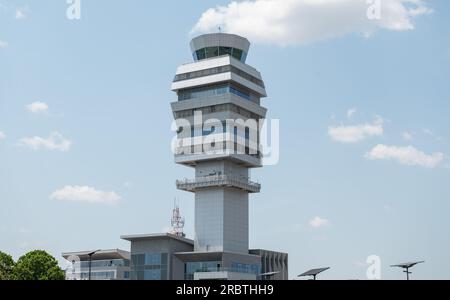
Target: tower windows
(218, 108)
(210, 52)
(219, 70)
(227, 51)
(238, 54)
(203, 92)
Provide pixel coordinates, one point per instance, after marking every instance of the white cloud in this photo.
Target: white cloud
(318, 222)
(37, 107)
(428, 131)
(356, 133)
(3, 44)
(287, 22)
(128, 184)
(85, 194)
(433, 135)
(2, 135)
(351, 112)
(21, 13)
(405, 155)
(407, 136)
(54, 142)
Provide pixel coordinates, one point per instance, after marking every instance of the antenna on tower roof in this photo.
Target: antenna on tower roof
(177, 221)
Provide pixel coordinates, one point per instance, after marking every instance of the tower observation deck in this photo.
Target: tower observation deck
(218, 114)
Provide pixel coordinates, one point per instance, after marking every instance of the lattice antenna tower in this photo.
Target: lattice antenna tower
(177, 221)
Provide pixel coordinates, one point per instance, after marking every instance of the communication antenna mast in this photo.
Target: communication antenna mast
(177, 221)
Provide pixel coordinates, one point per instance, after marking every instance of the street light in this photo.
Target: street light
(90, 254)
(407, 266)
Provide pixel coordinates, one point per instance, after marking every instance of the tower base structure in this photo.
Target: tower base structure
(170, 257)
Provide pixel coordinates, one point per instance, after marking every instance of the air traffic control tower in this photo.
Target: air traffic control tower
(221, 89)
(218, 115)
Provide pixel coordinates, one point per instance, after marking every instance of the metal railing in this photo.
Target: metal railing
(218, 180)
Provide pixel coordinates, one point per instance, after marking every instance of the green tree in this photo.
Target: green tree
(6, 266)
(37, 265)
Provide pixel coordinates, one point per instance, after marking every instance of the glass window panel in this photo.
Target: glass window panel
(193, 267)
(152, 259)
(141, 259)
(133, 276)
(140, 275)
(237, 53)
(244, 56)
(137, 259)
(164, 259)
(240, 93)
(202, 92)
(152, 274)
(201, 54)
(225, 50)
(163, 274)
(212, 52)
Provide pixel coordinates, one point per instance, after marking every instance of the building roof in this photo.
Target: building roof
(264, 251)
(154, 236)
(99, 255)
(220, 39)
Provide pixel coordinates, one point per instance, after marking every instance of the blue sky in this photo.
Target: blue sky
(363, 108)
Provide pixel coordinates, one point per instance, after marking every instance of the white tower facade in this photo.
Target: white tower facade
(218, 114)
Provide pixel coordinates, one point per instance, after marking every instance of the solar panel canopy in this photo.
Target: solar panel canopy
(408, 265)
(314, 272)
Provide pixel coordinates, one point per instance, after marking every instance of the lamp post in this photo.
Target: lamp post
(407, 266)
(90, 261)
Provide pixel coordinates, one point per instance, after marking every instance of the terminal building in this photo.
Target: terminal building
(218, 114)
(99, 265)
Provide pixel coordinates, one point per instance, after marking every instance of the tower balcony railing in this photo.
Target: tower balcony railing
(192, 185)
